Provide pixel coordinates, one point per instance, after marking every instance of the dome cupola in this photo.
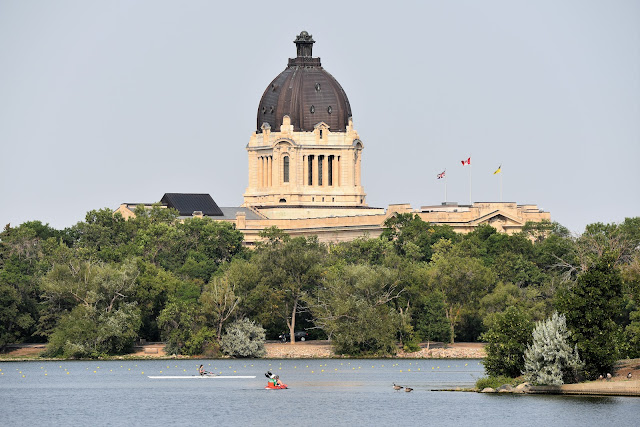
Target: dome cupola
(306, 93)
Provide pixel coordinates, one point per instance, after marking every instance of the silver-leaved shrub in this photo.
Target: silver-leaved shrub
(550, 359)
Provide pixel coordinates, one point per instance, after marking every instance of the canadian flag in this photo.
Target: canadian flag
(466, 162)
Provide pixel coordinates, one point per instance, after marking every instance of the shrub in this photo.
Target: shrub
(550, 359)
(85, 332)
(495, 381)
(508, 335)
(243, 338)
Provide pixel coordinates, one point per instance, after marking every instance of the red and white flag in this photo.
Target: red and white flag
(441, 175)
(466, 162)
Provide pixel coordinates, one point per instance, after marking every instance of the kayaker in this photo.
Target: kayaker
(201, 370)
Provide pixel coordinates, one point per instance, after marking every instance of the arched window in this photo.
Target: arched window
(285, 172)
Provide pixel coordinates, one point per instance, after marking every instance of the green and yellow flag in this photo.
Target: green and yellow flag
(498, 170)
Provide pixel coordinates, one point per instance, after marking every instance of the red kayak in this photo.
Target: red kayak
(270, 386)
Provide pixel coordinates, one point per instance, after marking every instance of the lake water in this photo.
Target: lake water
(322, 393)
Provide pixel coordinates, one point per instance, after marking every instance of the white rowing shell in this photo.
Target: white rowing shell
(184, 377)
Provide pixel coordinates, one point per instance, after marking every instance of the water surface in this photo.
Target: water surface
(322, 392)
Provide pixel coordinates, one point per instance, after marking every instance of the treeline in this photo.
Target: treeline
(95, 288)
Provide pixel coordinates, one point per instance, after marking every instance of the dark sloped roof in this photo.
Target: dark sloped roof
(306, 93)
(188, 203)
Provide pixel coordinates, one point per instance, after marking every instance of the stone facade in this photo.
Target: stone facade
(319, 168)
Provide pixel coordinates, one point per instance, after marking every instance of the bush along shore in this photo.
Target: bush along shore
(625, 381)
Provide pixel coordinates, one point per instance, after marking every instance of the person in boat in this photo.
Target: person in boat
(201, 370)
(273, 379)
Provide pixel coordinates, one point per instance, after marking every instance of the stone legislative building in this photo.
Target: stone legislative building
(305, 162)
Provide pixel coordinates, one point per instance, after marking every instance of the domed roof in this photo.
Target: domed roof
(306, 93)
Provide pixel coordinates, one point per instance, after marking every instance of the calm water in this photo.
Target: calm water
(322, 392)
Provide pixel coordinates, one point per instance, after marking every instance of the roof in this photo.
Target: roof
(230, 213)
(188, 203)
(306, 93)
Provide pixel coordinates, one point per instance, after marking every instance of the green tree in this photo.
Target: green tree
(431, 323)
(461, 280)
(103, 235)
(219, 302)
(290, 268)
(25, 255)
(352, 306)
(507, 337)
(550, 359)
(413, 238)
(177, 322)
(88, 332)
(362, 250)
(103, 318)
(153, 289)
(590, 306)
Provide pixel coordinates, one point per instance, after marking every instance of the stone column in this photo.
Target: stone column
(259, 172)
(314, 171)
(305, 170)
(266, 171)
(358, 163)
(332, 162)
(270, 171)
(339, 172)
(325, 170)
(352, 167)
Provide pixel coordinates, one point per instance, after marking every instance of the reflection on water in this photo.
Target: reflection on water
(322, 392)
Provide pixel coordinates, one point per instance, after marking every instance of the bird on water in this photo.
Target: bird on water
(408, 389)
(397, 387)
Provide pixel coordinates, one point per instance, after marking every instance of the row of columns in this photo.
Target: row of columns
(318, 170)
(265, 171)
(321, 170)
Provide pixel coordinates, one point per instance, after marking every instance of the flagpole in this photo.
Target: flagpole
(445, 186)
(501, 186)
(470, 199)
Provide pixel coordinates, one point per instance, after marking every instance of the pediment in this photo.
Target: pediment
(497, 218)
(285, 142)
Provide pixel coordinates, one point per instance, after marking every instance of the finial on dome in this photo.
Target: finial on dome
(304, 44)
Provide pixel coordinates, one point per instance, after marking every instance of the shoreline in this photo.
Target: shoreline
(320, 349)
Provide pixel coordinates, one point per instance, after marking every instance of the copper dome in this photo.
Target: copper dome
(306, 93)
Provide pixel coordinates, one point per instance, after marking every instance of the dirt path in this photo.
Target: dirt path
(322, 349)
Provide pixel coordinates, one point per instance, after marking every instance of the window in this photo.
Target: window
(320, 160)
(330, 169)
(285, 172)
(320, 133)
(309, 170)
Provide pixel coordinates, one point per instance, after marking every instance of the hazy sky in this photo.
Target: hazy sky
(104, 102)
